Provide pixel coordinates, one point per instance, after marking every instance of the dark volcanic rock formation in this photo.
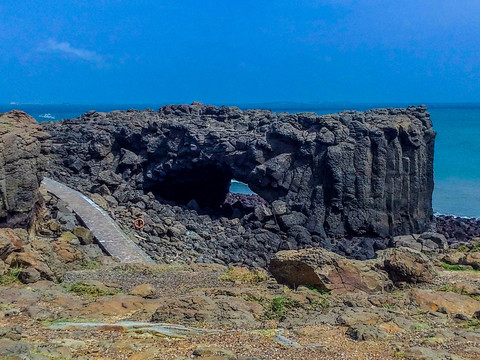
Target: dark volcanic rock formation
(349, 174)
(23, 146)
(457, 229)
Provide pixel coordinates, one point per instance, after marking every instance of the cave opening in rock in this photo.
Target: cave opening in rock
(241, 200)
(238, 187)
(207, 184)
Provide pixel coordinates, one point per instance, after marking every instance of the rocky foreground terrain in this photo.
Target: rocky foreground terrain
(61, 297)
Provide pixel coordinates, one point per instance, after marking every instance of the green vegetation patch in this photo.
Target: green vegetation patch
(88, 291)
(278, 306)
(432, 340)
(420, 326)
(390, 306)
(447, 288)
(10, 277)
(319, 304)
(450, 267)
(314, 289)
(472, 324)
(90, 265)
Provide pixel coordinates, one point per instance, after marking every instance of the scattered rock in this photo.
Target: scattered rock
(9, 242)
(279, 207)
(432, 241)
(176, 230)
(358, 316)
(84, 234)
(66, 251)
(29, 275)
(69, 238)
(144, 290)
(405, 264)
(213, 352)
(366, 332)
(472, 259)
(30, 259)
(458, 230)
(100, 201)
(14, 349)
(424, 353)
(407, 241)
(145, 355)
(12, 333)
(452, 302)
(453, 257)
(466, 288)
(217, 310)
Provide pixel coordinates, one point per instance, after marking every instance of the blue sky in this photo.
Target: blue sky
(239, 51)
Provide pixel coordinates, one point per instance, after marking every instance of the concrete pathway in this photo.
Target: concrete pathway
(108, 234)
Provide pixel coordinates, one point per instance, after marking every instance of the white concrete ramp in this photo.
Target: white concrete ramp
(108, 234)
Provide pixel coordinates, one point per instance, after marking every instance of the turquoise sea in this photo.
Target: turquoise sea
(457, 147)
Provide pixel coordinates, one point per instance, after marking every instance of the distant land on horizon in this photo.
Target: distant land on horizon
(275, 105)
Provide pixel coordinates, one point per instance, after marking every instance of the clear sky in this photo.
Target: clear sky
(225, 51)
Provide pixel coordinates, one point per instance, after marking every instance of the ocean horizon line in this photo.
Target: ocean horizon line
(274, 104)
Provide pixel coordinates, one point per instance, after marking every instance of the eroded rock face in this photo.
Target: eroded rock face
(353, 173)
(23, 150)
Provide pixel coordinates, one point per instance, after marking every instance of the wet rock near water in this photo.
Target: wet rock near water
(457, 229)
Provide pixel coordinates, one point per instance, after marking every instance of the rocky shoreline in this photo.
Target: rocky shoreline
(323, 181)
(241, 281)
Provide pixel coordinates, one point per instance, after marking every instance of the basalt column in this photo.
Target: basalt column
(352, 173)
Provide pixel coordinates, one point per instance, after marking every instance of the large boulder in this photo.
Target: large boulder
(432, 241)
(406, 265)
(408, 241)
(327, 271)
(23, 150)
(426, 242)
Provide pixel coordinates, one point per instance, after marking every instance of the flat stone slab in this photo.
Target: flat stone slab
(108, 234)
(170, 330)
